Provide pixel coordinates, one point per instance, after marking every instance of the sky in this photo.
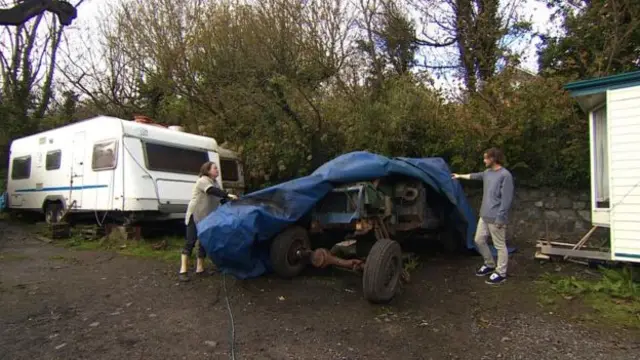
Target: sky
(529, 10)
(91, 11)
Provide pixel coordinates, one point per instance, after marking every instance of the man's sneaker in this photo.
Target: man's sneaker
(496, 279)
(484, 270)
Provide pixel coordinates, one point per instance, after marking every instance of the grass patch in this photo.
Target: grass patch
(78, 243)
(166, 248)
(13, 257)
(383, 311)
(163, 249)
(64, 259)
(614, 297)
(411, 264)
(146, 250)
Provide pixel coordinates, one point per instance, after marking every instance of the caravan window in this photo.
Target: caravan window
(174, 159)
(52, 162)
(104, 155)
(229, 170)
(21, 168)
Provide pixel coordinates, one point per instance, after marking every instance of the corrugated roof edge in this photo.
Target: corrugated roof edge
(602, 83)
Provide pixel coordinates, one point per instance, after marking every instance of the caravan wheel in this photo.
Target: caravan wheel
(52, 213)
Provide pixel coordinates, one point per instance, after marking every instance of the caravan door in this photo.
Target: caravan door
(77, 169)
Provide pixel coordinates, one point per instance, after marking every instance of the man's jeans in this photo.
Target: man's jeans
(498, 236)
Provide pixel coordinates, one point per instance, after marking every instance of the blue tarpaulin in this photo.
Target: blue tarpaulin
(236, 236)
(3, 201)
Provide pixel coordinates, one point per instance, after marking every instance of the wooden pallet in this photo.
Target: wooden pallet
(127, 232)
(572, 252)
(93, 232)
(61, 230)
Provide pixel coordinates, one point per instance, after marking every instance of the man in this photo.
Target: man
(497, 196)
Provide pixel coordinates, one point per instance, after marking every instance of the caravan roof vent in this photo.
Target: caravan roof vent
(145, 120)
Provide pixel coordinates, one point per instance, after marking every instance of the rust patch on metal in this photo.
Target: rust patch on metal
(322, 258)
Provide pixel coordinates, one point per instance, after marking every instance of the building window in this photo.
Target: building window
(229, 170)
(600, 158)
(174, 159)
(105, 155)
(52, 162)
(21, 168)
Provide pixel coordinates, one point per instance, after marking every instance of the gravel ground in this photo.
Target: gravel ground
(62, 304)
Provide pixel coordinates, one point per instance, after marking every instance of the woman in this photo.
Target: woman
(206, 197)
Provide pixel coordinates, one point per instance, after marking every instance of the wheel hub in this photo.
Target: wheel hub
(296, 252)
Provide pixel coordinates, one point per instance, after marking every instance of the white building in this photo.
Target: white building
(613, 105)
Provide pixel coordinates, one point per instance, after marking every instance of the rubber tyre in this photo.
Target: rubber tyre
(382, 271)
(52, 213)
(284, 246)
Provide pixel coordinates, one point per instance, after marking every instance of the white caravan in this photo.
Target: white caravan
(105, 166)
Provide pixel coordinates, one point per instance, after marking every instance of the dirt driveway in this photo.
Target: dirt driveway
(62, 304)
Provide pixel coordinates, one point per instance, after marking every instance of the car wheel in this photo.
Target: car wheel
(382, 271)
(285, 249)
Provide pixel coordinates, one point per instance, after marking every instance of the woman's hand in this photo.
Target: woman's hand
(233, 197)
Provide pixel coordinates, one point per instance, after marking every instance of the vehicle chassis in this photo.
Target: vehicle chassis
(375, 215)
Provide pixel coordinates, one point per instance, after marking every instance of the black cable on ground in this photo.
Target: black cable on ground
(232, 334)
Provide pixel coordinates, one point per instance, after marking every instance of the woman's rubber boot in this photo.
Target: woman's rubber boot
(200, 266)
(184, 270)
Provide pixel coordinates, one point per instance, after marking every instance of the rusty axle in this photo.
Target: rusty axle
(321, 258)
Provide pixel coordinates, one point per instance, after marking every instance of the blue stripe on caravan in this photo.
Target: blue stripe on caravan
(62, 188)
(630, 256)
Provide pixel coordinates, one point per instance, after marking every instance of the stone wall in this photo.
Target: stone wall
(538, 213)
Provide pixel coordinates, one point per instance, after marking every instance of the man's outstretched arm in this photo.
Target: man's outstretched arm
(472, 176)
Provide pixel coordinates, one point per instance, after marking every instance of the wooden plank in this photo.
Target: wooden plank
(585, 254)
(629, 94)
(583, 240)
(624, 138)
(629, 128)
(625, 234)
(540, 256)
(60, 231)
(578, 262)
(630, 145)
(569, 247)
(555, 243)
(623, 217)
(630, 226)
